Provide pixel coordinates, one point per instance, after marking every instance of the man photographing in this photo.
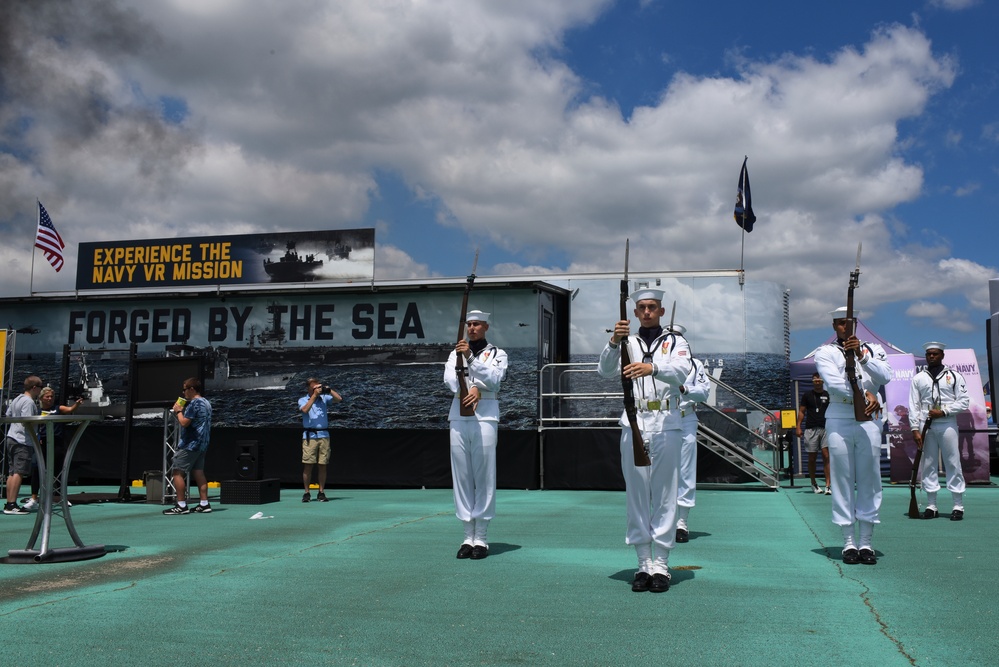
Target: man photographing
(316, 436)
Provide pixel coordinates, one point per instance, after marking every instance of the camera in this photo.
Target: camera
(327, 389)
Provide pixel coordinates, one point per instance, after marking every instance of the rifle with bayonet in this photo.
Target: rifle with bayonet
(459, 362)
(859, 395)
(630, 409)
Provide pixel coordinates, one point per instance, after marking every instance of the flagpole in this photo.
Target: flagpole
(38, 221)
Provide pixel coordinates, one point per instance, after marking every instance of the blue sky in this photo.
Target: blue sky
(541, 133)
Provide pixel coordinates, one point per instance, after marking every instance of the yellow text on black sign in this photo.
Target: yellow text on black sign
(165, 263)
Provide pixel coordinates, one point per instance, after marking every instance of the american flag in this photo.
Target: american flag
(48, 239)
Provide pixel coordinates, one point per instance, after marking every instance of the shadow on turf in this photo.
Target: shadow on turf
(836, 553)
(497, 548)
(676, 576)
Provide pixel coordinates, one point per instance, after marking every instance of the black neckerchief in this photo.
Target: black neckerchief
(477, 346)
(935, 370)
(649, 334)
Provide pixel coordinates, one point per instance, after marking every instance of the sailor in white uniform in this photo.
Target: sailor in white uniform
(940, 393)
(473, 438)
(695, 389)
(660, 363)
(854, 446)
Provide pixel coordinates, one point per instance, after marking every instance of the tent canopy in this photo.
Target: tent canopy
(801, 370)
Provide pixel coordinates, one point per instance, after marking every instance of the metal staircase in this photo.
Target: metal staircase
(737, 457)
(572, 396)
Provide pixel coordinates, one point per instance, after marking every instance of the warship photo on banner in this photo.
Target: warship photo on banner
(381, 345)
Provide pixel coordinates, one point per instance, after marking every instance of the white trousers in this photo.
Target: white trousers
(941, 441)
(651, 491)
(473, 469)
(686, 486)
(855, 470)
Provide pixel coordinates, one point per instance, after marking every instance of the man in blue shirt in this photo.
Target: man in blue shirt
(316, 436)
(194, 413)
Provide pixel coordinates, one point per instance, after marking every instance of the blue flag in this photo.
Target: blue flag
(744, 216)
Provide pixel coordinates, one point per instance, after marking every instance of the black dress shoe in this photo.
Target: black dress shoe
(465, 551)
(641, 582)
(867, 557)
(682, 535)
(851, 556)
(957, 515)
(479, 552)
(660, 583)
(930, 514)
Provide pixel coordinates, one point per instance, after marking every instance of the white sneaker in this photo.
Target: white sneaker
(816, 489)
(828, 491)
(30, 504)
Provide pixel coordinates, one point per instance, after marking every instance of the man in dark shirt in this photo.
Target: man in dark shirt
(812, 429)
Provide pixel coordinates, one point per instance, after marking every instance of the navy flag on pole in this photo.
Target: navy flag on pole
(744, 216)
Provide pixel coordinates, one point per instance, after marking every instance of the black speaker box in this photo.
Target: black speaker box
(248, 463)
(250, 492)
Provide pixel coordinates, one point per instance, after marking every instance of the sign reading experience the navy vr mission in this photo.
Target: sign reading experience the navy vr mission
(289, 257)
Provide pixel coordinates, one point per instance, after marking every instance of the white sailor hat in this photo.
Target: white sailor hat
(648, 293)
(678, 328)
(933, 345)
(839, 313)
(477, 316)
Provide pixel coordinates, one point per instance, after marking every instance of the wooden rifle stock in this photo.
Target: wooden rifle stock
(630, 409)
(859, 395)
(459, 362)
(913, 505)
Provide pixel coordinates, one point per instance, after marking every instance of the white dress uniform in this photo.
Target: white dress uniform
(948, 392)
(473, 439)
(695, 389)
(854, 447)
(651, 490)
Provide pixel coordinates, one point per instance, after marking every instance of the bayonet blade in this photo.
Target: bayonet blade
(627, 249)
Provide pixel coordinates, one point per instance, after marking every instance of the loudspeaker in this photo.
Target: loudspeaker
(248, 463)
(250, 491)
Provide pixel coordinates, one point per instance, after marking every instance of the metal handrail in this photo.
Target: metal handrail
(561, 394)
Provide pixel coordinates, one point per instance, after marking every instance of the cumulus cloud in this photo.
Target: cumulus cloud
(954, 5)
(939, 316)
(290, 111)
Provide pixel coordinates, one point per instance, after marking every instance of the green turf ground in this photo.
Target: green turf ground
(370, 579)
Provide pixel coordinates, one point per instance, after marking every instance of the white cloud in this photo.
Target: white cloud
(966, 190)
(939, 316)
(294, 106)
(391, 263)
(954, 5)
